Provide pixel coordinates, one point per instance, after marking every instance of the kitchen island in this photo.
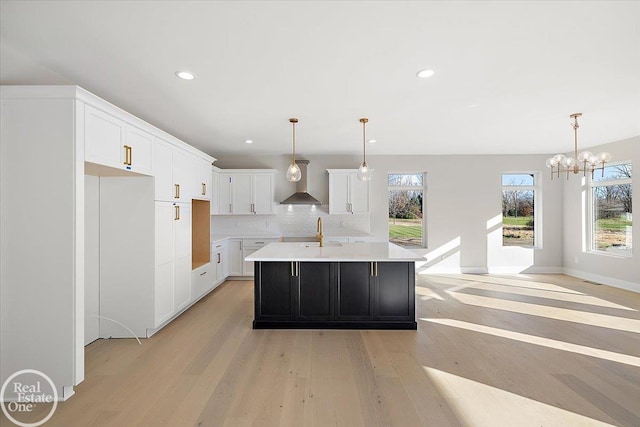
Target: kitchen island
(341, 285)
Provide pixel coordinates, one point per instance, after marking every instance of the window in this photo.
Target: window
(610, 199)
(406, 204)
(519, 224)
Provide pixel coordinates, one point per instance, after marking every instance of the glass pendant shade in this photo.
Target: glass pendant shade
(293, 173)
(364, 172)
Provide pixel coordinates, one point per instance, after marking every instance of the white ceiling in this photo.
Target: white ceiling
(508, 74)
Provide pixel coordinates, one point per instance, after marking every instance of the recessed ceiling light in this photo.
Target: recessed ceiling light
(423, 74)
(185, 75)
(371, 141)
(248, 141)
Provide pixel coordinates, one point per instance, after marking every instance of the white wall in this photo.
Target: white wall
(463, 208)
(578, 261)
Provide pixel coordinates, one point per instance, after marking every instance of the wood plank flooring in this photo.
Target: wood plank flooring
(535, 350)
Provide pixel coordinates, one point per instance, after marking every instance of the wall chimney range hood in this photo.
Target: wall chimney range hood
(301, 196)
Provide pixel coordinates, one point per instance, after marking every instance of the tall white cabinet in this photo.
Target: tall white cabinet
(144, 180)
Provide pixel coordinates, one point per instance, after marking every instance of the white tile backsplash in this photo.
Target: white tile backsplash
(290, 220)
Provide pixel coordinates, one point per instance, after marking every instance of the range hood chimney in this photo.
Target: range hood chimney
(301, 196)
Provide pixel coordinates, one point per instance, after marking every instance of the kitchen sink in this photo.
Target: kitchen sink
(317, 244)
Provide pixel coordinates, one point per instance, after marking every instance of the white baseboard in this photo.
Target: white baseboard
(616, 283)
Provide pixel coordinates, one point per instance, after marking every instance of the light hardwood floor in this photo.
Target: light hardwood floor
(536, 350)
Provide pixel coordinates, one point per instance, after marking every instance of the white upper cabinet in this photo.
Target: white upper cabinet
(241, 194)
(104, 137)
(111, 142)
(245, 192)
(347, 194)
(262, 191)
(172, 172)
(138, 151)
(201, 179)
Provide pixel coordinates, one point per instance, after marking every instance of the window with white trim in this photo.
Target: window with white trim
(406, 207)
(520, 221)
(611, 211)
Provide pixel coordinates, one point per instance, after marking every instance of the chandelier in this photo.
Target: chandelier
(585, 162)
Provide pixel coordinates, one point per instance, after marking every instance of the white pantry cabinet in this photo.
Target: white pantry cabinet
(347, 194)
(235, 257)
(245, 191)
(75, 133)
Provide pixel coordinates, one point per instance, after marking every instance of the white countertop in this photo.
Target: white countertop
(299, 251)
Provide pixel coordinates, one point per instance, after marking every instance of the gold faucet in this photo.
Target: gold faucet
(319, 236)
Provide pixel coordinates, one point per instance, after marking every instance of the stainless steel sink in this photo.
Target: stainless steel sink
(317, 244)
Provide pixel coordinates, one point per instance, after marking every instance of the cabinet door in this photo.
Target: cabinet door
(339, 193)
(181, 175)
(262, 193)
(224, 193)
(104, 138)
(140, 145)
(274, 297)
(358, 194)
(247, 266)
(394, 296)
(182, 283)
(163, 292)
(215, 192)
(164, 234)
(241, 200)
(218, 265)
(354, 295)
(315, 290)
(200, 179)
(182, 230)
(235, 257)
(163, 161)
(225, 260)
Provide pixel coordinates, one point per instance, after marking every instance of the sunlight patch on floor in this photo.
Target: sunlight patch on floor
(540, 293)
(586, 318)
(477, 404)
(427, 294)
(545, 342)
(511, 281)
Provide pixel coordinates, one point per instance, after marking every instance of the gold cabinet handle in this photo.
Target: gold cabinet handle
(218, 256)
(127, 155)
(293, 273)
(176, 191)
(376, 269)
(130, 156)
(298, 269)
(371, 268)
(177, 213)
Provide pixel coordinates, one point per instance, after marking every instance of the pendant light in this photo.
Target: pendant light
(364, 171)
(293, 173)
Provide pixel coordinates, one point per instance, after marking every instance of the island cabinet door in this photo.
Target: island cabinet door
(274, 291)
(394, 298)
(315, 290)
(354, 291)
